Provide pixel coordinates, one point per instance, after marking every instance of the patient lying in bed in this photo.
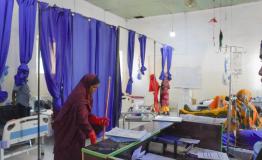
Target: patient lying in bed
(217, 108)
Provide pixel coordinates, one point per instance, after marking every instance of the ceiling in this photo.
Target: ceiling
(131, 8)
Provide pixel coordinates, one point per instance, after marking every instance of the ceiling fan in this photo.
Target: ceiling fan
(190, 3)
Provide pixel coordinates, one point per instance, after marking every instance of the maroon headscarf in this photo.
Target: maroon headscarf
(66, 122)
(80, 95)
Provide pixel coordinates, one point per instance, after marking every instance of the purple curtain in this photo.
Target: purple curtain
(169, 61)
(63, 37)
(130, 59)
(55, 46)
(116, 110)
(94, 48)
(142, 41)
(27, 17)
(166, 52)
(164, 57)
(6, 12)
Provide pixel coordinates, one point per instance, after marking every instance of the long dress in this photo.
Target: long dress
(72, 124)
(164, 96)
(154, 87)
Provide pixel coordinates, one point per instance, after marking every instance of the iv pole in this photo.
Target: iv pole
(230, 101)
(232, 50)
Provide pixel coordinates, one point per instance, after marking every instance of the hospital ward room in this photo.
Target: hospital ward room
(130, 79)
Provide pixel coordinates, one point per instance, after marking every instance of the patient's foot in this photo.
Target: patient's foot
(183, 111)
(186, 107)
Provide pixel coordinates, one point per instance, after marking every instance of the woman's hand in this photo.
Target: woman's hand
(100, 121)
(104, 121)
(92, 137)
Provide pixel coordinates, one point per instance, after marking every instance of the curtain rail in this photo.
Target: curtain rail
(114, 25)
(143, 34)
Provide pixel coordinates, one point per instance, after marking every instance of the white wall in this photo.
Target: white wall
(194, 47)
(80, 6)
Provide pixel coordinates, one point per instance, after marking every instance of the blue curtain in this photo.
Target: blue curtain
(169, 61)
(64, 50)
(55, 46)
(130, 59)
(164, 57)
(94, 48)
(166, 52)
(142, 41)
(6, 12)
(27, 17)
(116, 111)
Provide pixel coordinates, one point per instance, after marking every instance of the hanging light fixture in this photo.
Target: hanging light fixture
(172, 33)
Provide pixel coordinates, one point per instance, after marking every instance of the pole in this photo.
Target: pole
(154, 57)
(38, 86)
(107, 99)
(117, 82)
(230, 99)
(154, 71)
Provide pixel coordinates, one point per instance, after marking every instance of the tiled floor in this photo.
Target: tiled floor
(32, 155)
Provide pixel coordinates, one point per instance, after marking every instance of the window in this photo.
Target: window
(41, 62)
(53, 57)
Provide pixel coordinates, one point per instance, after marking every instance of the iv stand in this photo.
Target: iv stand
(230, 102)
(232, 50)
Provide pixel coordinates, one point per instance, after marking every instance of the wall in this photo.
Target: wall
(80, 6)
(194, 47)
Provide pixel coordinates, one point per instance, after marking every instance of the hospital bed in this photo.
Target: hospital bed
(136, 111)
(22, 130)
(235, 151)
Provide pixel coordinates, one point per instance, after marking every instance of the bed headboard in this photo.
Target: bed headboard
(24, 129)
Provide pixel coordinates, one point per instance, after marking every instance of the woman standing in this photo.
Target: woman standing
(74, 123)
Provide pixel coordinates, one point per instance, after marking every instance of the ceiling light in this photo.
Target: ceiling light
(172, 34)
